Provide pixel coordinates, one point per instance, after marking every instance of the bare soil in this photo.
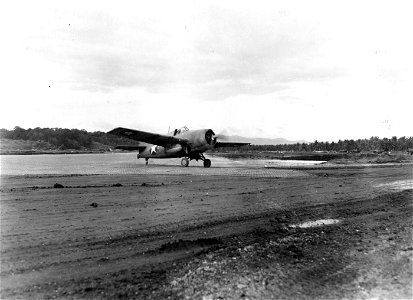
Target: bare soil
(194, 236)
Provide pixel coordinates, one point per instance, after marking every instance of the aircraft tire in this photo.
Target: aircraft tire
(207, 163)
(184, 162)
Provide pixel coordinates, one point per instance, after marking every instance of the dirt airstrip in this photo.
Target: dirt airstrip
(247, 233)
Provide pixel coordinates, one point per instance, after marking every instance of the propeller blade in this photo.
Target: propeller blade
(221, 137)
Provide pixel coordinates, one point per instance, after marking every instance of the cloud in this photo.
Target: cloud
(210, 52)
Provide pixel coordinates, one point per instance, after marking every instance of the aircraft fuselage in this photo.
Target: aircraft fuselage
(198, 141)
(154, 151)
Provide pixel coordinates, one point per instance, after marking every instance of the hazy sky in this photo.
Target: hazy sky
(309, 70)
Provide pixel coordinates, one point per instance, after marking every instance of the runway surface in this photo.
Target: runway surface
(127, 163)
(110, 227)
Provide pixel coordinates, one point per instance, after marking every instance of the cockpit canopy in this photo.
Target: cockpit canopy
(180, 130)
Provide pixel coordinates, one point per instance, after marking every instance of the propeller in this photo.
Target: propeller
(221, 137)
(218, 137)
(215, 137)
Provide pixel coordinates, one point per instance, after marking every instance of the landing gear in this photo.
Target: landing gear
(196, 156)
(207, 163)
(184, 162)
(146, 161)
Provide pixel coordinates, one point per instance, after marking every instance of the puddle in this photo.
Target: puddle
(397, 185)
(316, 223)
(292, 163)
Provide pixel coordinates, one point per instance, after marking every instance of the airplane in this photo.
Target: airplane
(185, 143)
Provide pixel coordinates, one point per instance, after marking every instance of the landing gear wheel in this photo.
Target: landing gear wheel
(184, 162)
(146, 161)
(207, 163)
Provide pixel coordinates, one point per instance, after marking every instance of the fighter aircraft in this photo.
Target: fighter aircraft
(185, 143)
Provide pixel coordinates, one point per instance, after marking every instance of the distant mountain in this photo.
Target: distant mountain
(258, 141)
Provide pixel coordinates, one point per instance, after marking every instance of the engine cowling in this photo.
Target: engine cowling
(210, 137)
(199, 140)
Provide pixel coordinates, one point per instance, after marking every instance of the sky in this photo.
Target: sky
(300, 70)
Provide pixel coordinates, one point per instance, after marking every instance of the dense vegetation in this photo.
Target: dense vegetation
(81, 139)
(65, 138)
(372, 144)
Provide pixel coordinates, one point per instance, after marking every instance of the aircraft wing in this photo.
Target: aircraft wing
(229, 144)
(147, 137)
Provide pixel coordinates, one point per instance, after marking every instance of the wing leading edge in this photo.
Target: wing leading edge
(147, 137)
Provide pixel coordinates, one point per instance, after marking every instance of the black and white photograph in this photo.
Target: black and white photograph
(206, 150)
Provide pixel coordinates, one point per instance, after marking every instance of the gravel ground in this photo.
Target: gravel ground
(243, 233)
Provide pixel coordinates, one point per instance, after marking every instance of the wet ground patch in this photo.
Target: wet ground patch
(397, 185)
(316, 223)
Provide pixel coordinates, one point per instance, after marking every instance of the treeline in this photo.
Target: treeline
(82, 139)
(65, 138)
(372, 144)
